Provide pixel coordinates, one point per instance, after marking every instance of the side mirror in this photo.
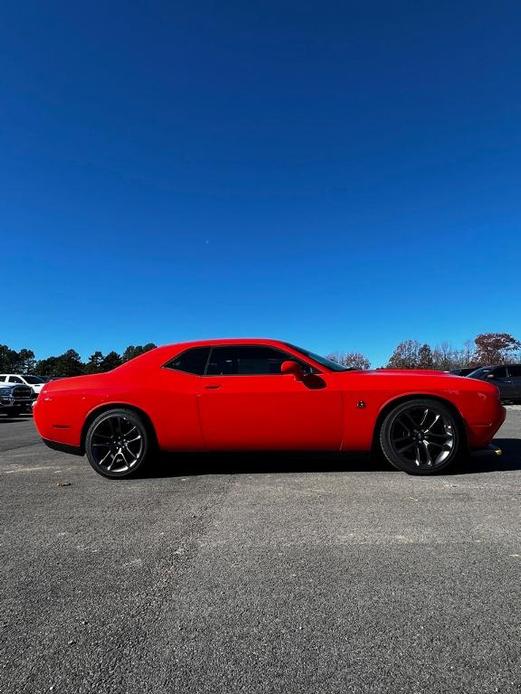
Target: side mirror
(290, 367)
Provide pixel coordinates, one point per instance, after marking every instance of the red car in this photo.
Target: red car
(217, 395)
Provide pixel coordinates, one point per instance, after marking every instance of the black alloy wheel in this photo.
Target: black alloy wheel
(117, 443)
(421, 436)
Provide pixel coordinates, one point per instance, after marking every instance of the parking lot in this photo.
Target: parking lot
(258, 574)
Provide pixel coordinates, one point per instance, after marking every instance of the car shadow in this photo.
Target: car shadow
(233, 463)
(12, 420)
(258, 462)
(483, 461)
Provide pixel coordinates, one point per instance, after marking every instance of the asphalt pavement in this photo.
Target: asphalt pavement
(308, 574)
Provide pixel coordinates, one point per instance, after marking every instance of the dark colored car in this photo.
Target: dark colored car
(15, 399)
(463, 372)
(506, 377)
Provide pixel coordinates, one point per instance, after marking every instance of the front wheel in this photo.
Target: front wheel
(118, 443)
(420, 436)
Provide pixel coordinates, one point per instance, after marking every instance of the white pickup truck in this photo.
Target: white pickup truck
(34, 382)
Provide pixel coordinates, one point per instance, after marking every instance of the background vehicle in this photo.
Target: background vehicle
(462, 372)
(263, 395)
(34, 382)
(15, 399)
(506, 377)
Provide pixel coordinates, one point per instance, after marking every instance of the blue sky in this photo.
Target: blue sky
(341, 175)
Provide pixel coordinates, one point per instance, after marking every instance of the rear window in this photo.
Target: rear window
(193, 361)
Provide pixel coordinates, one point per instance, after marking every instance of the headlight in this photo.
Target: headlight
(5, 392)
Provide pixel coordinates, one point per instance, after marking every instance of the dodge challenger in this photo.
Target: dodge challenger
(253, 394)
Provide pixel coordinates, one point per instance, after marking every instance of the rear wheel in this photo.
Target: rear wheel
(421, 436)
(118, 443)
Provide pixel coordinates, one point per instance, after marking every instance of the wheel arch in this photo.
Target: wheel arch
(105, 407)
(391, 404)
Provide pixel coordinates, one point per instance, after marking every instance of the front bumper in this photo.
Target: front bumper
(23, 404)
(481, 435)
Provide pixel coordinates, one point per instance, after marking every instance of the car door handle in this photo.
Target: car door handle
(215, 386)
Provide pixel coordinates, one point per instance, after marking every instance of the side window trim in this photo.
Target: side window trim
(288, 355)
(208, 358)
(205, 372)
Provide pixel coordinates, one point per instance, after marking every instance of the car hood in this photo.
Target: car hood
(402, 373)
(426, 378)
(410, 372)
(12, 386)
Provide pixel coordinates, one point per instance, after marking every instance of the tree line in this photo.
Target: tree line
(67, 364)
(485, 349)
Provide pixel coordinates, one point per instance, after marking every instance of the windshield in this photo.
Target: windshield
(332, 365)
(33, 379)
(480, 373)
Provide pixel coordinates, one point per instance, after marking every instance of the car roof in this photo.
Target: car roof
(228, 341)
(164, 352)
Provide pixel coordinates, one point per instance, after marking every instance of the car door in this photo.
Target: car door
(175, 401)
(245, 402)
(514, 373)
(499, 377)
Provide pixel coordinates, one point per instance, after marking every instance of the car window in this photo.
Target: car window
(479, 373)
(2, 379)
(247, 360)
(34, 380)
(193, 361)
(328, 363)
(500, 372)
(15, 379)
(515, 371)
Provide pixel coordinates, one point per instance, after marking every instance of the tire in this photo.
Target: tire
(118, 443)
(421, 436)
